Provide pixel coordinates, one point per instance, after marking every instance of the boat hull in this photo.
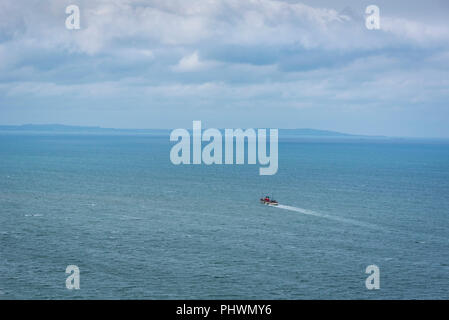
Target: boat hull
(269, 203)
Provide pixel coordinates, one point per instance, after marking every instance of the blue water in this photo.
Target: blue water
(139, 227)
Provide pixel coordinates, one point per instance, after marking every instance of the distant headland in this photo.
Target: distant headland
(60, 128)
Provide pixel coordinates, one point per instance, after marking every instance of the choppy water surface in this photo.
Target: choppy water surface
(139, 227)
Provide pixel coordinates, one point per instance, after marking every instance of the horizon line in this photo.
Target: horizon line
(18, 126)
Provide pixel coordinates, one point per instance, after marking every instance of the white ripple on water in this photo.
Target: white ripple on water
(321, 215)
(126, 217)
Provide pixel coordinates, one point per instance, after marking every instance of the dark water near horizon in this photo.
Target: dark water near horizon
(139, 227)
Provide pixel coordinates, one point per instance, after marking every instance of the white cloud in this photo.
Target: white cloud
(415, 31)
(108, 24)
(192, 62)
(188, 63)
(227, 52)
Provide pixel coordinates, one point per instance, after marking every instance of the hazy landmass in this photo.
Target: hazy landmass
(59, 128)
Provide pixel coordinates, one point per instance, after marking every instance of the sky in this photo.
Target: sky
(228, 63)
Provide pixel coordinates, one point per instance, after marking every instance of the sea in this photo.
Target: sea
(139, 227)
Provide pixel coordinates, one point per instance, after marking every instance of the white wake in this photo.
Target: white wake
(335, 218)
(300, 210)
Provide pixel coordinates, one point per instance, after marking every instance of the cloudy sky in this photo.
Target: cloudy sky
(229, 63)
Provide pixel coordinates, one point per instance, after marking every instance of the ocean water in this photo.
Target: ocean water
(139, 227)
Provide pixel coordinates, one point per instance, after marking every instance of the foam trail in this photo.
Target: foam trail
(317, 214)
(303, 211)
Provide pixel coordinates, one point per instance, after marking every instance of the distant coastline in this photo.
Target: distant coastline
(59, 128)
(306, 133)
